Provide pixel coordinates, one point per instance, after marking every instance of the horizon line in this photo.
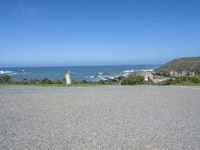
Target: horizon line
(77, 65)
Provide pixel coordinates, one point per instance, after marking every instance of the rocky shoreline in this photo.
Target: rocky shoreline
(148, 75)
(180, 67)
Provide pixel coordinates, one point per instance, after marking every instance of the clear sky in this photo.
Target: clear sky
(97, 32)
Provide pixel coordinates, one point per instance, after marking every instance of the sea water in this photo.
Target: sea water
(92, 73)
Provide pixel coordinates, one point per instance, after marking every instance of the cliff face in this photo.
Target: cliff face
(189, 66)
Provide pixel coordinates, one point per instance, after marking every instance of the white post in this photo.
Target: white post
(67, 78)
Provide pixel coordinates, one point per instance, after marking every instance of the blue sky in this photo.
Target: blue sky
(97, 32)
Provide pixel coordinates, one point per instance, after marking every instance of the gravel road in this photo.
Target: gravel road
(102, 117)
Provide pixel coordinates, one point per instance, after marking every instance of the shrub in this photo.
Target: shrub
(193, 80)
(168, 82)
(25, 81)
(5, 79)
(74, 81)
(130, 80)
(63, 80)
(58, 82)
(84, 82)
(35, 81)
(181, 80)
(101, 82)
(46, 81)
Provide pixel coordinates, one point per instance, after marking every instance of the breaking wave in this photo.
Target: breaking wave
(130, 71)
(7, 72)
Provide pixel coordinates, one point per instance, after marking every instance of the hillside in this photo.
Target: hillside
(180, 67)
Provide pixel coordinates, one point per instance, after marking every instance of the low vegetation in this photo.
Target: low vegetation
(130, 80)
(182, 81)
(6, 79)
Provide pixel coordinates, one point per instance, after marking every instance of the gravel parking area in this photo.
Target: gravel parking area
(101, 117)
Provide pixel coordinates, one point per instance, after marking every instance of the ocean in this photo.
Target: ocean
(91, 73)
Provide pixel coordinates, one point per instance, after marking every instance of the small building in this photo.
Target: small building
(146, 78)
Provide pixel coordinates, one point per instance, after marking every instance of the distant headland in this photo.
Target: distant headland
(186, 66)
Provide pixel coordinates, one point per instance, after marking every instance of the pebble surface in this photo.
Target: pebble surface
(100, 118)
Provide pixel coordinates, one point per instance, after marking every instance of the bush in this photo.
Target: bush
(84, 82)
(132, 80)
(168, 82)
(46, 81)
(74, 82)
(35, 81)
(58, 82)
(193, 80)
(5, 79)
(101, 82)
(181, 80)
(63, 80)
(25, 81)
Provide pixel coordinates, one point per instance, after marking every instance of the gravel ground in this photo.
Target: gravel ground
(102, 117)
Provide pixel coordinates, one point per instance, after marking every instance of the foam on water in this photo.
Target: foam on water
(7, 72)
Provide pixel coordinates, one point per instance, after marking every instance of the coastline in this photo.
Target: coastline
(90, 73)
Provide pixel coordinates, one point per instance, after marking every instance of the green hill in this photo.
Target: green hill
(188, 66)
